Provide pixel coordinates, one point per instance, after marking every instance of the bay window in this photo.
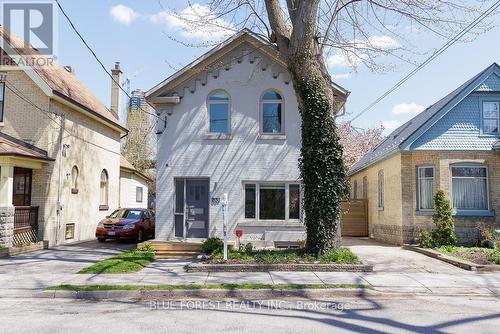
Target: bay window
(469, 187)
(425, 187)
(272, 201)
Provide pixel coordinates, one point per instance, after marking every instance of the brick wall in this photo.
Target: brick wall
(93, 147)
(401, 222)
(384, 224)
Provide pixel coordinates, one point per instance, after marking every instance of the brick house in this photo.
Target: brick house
(232, 126)
(453, 145)
(59, 152)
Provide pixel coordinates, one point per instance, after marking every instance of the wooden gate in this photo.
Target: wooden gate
(355, 218)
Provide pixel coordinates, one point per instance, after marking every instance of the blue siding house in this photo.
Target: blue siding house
(453, 145)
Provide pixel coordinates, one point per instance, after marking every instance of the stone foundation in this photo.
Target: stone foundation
(6, 226)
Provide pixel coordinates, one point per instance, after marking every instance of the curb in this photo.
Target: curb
(221, 267)
(213, 294)
(207, 294)
(464, 264)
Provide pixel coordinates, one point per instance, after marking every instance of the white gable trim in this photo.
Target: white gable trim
(30, 72)
(406, 145)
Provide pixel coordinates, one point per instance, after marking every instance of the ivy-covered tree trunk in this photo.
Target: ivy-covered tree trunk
(321, 162)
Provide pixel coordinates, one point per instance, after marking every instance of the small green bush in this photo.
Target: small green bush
(146, 247)
(2, 246)
(425, 239)
(212, 245)
(249, 248)
(344, 255)
(444, 233)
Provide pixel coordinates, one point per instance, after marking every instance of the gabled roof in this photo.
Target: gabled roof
(13, 147)
(496, 146)
(63, 83)
(403, 136)
(128, 167)
(209, 59)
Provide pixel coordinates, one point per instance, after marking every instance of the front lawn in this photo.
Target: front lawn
(127, 262)
(283, 256)
(476, 255)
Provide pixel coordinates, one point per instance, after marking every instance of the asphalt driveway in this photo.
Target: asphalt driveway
(390, 258)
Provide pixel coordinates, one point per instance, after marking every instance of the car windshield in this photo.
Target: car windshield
(125, 213)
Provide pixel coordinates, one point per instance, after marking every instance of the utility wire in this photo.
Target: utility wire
(97, 58)
(457, 37)
(16, 91)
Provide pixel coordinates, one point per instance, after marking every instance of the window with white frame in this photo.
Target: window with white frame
(219, 112)
(272, 201)
(272, 113)
(381, 190)
(491, 117)
(425, 187)
(104, 193)
(138, 194)
(469, 184)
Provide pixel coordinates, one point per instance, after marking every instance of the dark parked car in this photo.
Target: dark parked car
(132, 224)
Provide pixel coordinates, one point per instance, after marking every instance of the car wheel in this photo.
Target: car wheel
(140, 236)
(101, 239)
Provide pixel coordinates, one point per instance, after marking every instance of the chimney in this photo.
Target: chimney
(116, 73)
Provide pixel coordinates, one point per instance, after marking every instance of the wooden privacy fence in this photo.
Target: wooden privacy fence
(355, 218)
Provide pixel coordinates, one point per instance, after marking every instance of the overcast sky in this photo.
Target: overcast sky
(136, 33)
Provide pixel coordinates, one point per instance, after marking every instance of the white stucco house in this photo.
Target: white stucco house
(133, 186)
(231, 125)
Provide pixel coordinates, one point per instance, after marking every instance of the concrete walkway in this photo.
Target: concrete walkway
(396, 270)
(390, 258)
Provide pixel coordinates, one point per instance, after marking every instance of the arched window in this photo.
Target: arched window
(218, 112)
(74, 180)
(272, 112)
(355, 190)
(104, 188)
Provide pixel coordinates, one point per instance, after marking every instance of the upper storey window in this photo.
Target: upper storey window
(218, 112)
(272, 113)
(491, 117)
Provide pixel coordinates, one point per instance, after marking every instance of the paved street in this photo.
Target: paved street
(343, 315)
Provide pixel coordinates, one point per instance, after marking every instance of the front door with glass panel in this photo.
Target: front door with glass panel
(191, 208)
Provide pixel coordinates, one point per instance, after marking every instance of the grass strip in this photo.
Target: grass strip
(127, 262)
(244, 286)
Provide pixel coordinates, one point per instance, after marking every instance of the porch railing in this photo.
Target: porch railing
(25, 225)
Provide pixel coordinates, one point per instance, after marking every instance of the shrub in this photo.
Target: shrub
(425, 239)
(344, 255)
(2, 246)
(249, 248)
(212, 245)
(444, 233)
(146, 247)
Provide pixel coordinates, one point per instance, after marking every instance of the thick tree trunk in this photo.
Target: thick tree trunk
(321, 162)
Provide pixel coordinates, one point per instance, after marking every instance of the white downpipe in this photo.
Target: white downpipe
(224, 203)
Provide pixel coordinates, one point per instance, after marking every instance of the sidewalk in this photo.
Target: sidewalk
(169, 272)
(396, 271)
